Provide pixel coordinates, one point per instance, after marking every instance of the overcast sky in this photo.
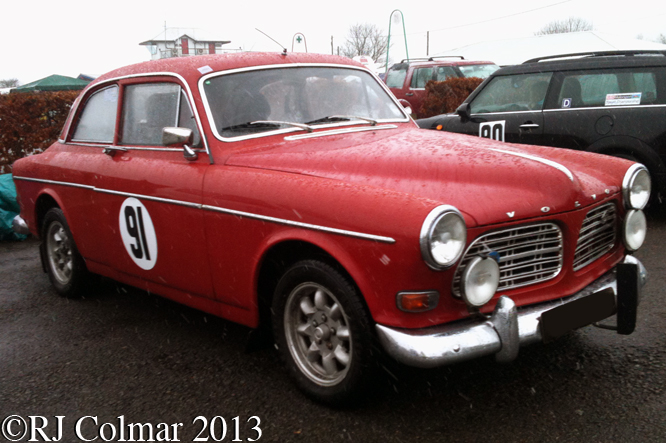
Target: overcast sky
(73, 37)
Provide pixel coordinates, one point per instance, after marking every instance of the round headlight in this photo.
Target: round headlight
(479, 281)
(636, 187)
(443, 237)
(635, 228)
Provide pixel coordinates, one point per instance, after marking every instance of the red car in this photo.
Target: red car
(292, 191)
(407, 79)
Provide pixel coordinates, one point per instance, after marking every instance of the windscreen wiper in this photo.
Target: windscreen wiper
(303, 126)
(251, 125)
(338, 118)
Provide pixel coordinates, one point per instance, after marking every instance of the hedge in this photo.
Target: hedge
(30, 123)
(444, 97)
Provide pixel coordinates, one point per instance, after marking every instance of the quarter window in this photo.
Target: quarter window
(98, 118)
(525, 92)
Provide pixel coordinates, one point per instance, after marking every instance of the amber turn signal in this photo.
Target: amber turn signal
(417, 301)
(439, 127)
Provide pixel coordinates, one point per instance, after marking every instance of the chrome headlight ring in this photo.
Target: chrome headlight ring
(443, 237)
(636, 187)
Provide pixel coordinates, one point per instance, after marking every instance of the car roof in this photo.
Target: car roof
(192, 68)
(587, 60)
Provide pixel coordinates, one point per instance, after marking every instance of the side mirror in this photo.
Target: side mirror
(180, 137)
(464, 112)
(405, 104)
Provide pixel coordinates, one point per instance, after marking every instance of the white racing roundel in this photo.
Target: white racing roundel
(138, 232)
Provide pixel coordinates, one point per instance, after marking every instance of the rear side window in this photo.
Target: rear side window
(612, 88)
(420, 77)
(444, 73)
(525, 92)
(149, 108)
(98, 118)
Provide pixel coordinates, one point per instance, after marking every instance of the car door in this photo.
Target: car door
(149, 222)
(509, 108)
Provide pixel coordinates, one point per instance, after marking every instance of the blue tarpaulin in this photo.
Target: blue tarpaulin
(9, 208)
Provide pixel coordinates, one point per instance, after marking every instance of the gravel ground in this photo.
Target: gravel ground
(123, 352)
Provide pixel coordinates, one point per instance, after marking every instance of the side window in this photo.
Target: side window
(445, 73)
(147, 109)
(98, 118)
(421, 77)
(617, 88)
(524, 92)
(395, 77)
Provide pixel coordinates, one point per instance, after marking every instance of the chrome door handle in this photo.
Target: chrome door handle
(409, 94)
(111, 150)
(529, 126)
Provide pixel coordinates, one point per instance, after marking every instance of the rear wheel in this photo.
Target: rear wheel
(63, 263)
(322, 331)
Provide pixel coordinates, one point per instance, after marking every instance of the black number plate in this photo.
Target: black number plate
(577, 313)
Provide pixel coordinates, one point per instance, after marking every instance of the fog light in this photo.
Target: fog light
(635, 228)
(479, 281)
(417, 301)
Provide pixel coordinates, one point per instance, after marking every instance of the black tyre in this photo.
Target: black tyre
(323, 332)
(61, 259)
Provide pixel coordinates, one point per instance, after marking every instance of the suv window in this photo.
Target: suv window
(618, 88)
(445, 73)
(148, 108)
(420, 77)
(512, 93)
(395, 78)
(98, 118)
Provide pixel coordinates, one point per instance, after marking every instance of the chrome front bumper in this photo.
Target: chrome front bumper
(20, 226)
(502, 333)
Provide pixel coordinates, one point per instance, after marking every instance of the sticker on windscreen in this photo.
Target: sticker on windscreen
(492, 130)
(138, 233)
(631, 98)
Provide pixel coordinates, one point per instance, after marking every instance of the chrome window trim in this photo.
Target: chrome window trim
(153, 74)
(535, 158)
(590, 108)
(213, 126)
(587, 108)
(340, 131)
(219, 209)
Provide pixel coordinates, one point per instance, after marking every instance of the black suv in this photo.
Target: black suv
(608, 102)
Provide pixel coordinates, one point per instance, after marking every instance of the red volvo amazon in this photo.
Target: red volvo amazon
(292, 191)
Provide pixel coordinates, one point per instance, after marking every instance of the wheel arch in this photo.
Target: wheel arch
(282, 254)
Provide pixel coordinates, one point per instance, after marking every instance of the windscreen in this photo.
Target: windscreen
(302, 95)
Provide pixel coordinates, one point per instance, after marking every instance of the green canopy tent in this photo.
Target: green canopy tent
(53, 83)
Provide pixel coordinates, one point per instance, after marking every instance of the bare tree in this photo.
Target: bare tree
(571, 24)
(9, 83)
(365, 39)
(661, 39)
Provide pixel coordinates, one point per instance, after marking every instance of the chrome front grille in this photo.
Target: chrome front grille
(597, 235)
(528, 255)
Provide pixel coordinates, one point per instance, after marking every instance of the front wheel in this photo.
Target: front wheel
(63, 263)
(322, 331)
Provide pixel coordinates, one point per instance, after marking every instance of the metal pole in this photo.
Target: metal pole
(404, 32)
